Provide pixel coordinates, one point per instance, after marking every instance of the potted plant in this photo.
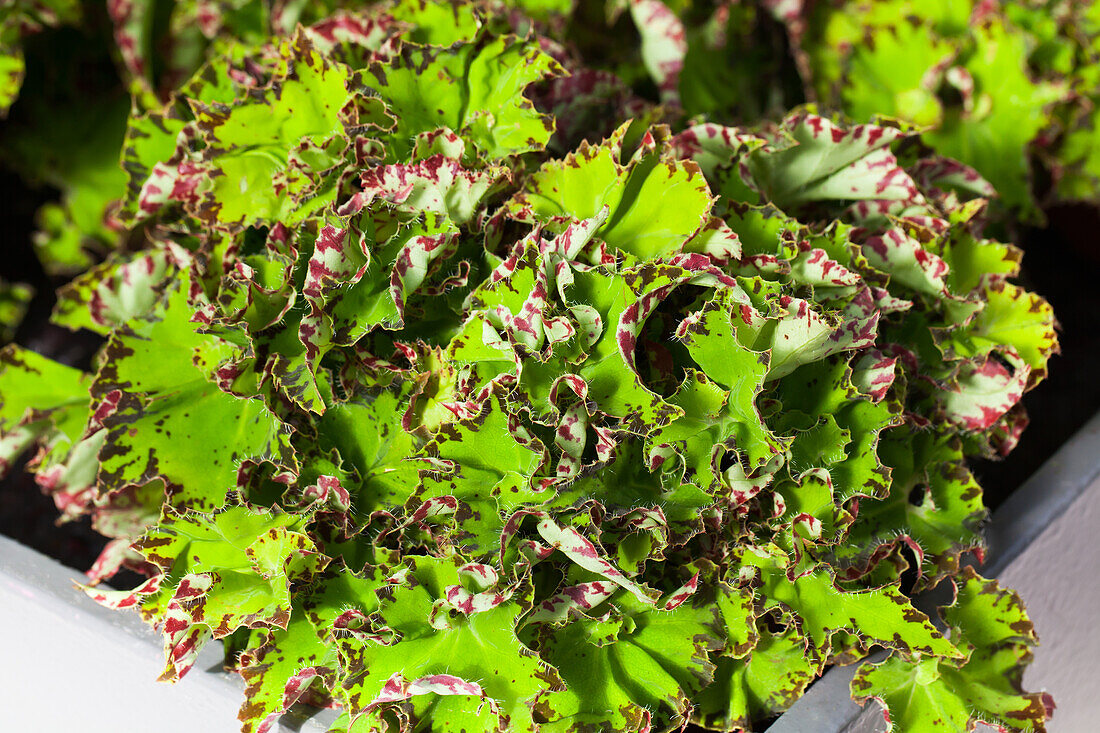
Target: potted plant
(452, 409)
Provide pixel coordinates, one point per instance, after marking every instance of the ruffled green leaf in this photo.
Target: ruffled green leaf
(475, 89)
(839, 424)
(456, 668)
(632, 666)
(813, 159)
(158, 405)
(933, 694)
(882, 616)
(486, 465)
(934, 505)
(719, 408)
(655, 205)
(219, 572)
(370, 435)
(252, 178)
(1012, 318)
(279, 668)
(40, 400)
(112, 294)
(766, 682)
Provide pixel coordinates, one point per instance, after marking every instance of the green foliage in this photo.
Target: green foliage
(14, 299)
(454, 432)
(990, 625)
(969, 82)
(76, 152)
(1005, 88)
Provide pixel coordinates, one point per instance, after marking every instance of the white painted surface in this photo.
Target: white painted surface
(61, 675)
(67, 664)
(1058, 577)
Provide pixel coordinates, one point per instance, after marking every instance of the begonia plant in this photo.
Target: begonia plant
(441, 399)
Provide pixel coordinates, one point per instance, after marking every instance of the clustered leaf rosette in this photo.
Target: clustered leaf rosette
(994, 85)
(431, 425)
